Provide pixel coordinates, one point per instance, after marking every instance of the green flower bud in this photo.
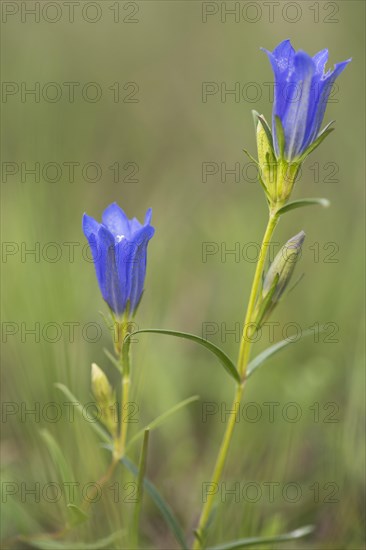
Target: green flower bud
(105, 398)
(278, 277)
(101, 388)
(282, 267)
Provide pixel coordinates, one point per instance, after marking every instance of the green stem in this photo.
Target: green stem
(124, 424)
(124, 351)
(244, 353)
(219, 466)
(246, 340)
(125, 397)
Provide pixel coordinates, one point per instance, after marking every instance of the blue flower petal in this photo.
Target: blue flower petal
(284, 55)
(135, 226)
(107, 272)
(321, 91)
(279, 106)
(320, 59)
(90, 226)
(123, 252)
(116, 221)
(137, 267)
(282, 61)
(148, 216)
(294, 120)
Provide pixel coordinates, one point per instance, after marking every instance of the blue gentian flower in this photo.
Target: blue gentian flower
(119, 248)
(302, 89)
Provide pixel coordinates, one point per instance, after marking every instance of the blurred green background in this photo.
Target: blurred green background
(169, 49)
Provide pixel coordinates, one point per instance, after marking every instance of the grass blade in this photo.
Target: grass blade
(57, 456)
(79, 407)
(50, 544)
(159, 420)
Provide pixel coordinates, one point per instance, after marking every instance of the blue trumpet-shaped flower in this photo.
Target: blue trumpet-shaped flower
(302, 89)
(119, 248)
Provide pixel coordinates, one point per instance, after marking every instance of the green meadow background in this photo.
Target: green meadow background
(305, 464)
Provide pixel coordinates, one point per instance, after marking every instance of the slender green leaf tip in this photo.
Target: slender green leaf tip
(325, 203)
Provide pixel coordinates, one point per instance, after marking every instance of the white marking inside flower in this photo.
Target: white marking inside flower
(119, 238)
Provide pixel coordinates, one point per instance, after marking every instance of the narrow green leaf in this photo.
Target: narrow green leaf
(267, 353)
(161, 419)
(80, 409)
(51, 544)
(254, 541)
(222, 357)
(57, 456)
(303, 202)
(161, 504)
(77, 515)
(280, 136)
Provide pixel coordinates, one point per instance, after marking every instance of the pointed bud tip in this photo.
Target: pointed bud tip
(298, 239)
(100, 385)
(96, 372)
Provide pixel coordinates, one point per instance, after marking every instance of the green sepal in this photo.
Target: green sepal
(259, 173)
(258, 118)
(255, 116)
(221, 355)
(321, 137)
(251, 156)
(280, 134)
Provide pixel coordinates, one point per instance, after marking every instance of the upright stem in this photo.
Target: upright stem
(125, 397)
(246, 341)
(217, 473)
(124, 350)
(244, 353)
